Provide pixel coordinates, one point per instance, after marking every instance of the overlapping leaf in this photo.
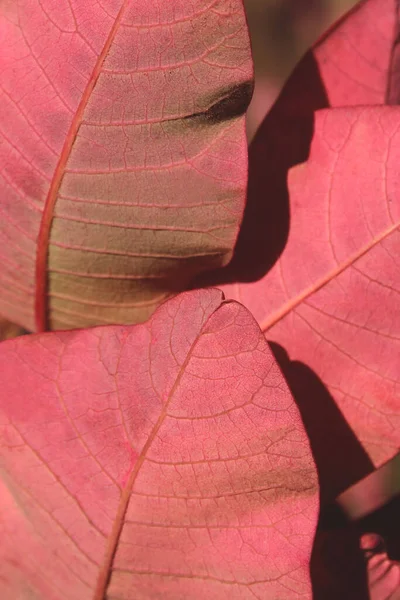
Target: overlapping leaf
(165, 460)
(123, 156)
(332, 298)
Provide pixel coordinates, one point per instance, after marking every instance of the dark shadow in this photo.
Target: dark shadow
(337, 564)
(282, 141)
(340, 459)
(386, 522)
(338, 570)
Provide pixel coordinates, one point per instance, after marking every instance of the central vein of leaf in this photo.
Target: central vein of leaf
(106, 569)
(41, 298)
(275, 317)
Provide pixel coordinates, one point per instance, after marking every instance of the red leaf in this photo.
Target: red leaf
(122, 123)
(165, 460)
(332, 299)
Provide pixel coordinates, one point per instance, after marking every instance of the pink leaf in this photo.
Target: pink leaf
(359, 58)
(166, 460)
(332, 298)
(123, 155)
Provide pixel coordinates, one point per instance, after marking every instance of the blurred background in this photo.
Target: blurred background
(281, 31)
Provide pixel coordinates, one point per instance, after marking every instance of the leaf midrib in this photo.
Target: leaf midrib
(106, 569)
(278, 315)
(41, 300)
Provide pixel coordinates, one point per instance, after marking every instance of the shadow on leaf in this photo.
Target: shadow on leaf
(283, 140)
(337, 563)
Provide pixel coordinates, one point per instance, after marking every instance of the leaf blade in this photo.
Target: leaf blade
(220, 474)
(143, 125)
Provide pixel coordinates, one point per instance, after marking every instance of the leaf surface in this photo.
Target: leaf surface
(332, 298)
(123, 157)
(164, 460)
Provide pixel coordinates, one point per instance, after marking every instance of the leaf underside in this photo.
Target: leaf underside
(163, 460)
(123, 158)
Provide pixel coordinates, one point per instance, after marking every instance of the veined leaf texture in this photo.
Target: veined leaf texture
(123, 153)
